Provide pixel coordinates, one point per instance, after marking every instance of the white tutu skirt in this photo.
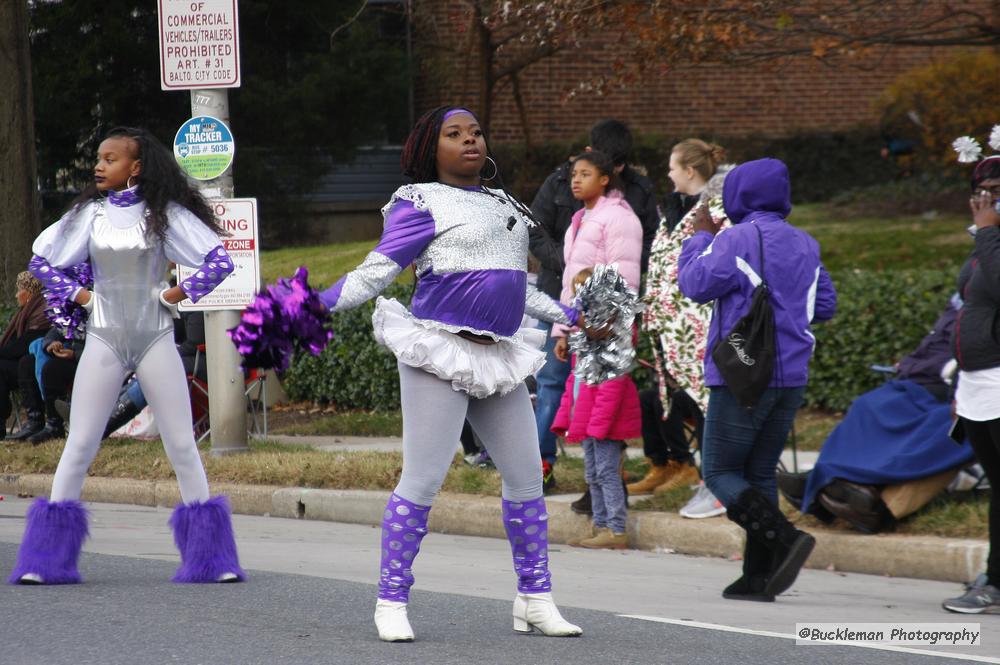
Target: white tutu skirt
(480, 370)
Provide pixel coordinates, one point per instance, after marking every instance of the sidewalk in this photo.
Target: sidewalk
(922, 557)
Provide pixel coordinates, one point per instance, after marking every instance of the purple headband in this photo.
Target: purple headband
(456, 112)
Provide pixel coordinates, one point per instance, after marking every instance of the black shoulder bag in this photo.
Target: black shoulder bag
(745, 356)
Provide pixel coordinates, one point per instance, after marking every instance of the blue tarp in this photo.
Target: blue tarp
(895, 433)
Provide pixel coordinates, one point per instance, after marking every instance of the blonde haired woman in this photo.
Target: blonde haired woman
(679, 328)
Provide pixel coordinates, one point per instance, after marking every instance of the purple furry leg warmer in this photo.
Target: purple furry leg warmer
(203, 533)
(53, 537)
(527, 525)
(404, 525)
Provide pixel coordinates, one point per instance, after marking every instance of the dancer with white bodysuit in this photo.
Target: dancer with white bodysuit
(148, 216)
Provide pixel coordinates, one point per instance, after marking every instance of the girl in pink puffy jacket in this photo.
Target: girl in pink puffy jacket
(601, 416)
(604, 231)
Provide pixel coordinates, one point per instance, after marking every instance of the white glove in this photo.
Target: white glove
(89, 307)
(171, 307)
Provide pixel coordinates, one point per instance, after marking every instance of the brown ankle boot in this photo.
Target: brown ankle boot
(679, 475)
(656, 476)
(606, 539)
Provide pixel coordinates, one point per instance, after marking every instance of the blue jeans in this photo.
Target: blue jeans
(741, 447)
(551, 380)
(601, 459)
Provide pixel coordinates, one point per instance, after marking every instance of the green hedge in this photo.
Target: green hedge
(881, 316)
(353, 372)
(821, 164)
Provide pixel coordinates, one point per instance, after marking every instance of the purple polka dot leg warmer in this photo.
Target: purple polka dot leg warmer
(404, 525)
(527, 525)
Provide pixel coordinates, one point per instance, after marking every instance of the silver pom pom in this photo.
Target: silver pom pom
(605, 300)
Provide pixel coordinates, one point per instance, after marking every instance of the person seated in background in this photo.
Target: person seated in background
(189, 335)
(892, 452)
(28, 324)
(45, 375)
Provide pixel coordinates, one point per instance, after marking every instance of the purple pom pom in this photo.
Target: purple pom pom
(285, 316)
(65, 313)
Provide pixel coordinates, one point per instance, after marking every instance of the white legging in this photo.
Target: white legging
(99, 378)
(433, 415)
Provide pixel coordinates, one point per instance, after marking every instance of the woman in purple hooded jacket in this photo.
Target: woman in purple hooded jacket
(741, 446)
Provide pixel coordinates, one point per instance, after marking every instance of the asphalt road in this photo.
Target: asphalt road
(310, 599)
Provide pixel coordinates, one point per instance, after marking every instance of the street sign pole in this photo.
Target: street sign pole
(227, 400)
(199, 44)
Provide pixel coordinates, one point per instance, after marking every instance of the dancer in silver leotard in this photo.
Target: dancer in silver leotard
(128, 238)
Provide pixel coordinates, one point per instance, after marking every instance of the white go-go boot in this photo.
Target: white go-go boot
(537, 611)
(392, 623)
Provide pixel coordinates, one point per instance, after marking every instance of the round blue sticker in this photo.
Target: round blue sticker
(204, 147)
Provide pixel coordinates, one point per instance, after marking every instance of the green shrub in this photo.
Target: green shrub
(921, 194)
(950, 98)
(353, 372)
(881, 316)
(821, 164)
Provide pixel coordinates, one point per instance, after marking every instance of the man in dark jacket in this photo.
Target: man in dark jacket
(553, 209)
(554, 204)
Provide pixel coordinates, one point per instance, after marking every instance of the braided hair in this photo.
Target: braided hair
(419, 156)
(160, 182)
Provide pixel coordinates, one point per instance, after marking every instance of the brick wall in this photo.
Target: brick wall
(774, 99)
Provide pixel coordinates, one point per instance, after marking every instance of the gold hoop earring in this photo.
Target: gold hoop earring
(496, 170)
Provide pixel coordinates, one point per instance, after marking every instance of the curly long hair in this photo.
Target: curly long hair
(160, 182)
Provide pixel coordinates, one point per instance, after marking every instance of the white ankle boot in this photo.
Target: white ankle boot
(539, 611)
(392, 622)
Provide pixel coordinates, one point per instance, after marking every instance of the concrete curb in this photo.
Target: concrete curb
(922, 557)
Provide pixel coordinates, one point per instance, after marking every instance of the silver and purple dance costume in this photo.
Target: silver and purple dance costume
(128, 330)
(470, 249)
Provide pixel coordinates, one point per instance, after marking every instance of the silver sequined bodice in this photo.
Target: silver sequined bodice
(128, 276)
(473, 231)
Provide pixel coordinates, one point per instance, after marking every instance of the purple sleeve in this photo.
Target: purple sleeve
(330, 296)
(706, 267)
(216, 267)
(53, 279)
(407, 233)
(826, 297)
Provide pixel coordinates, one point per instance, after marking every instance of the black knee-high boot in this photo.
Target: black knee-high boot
(756, 567)
(765, 524)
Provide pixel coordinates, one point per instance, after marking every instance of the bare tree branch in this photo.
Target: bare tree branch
(346, 24)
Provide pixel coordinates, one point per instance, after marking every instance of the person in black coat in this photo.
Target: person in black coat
(553, 209)
(977, 350)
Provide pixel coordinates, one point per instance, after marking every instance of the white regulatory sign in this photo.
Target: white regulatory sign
(239, 218)
(199, 44)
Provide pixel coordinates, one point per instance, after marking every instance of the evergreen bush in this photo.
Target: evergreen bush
(881, 316)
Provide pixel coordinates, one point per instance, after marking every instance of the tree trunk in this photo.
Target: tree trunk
(522, 111)
(486, 82)
(18, 191)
